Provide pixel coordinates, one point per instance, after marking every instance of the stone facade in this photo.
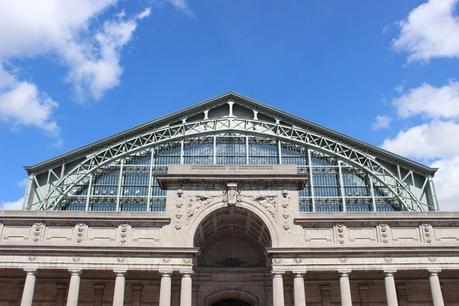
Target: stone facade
(90, 258)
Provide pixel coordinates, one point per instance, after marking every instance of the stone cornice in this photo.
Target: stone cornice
(366, 251)
(316, 219)
(71, 217)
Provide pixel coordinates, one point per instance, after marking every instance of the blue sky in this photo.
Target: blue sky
(381, 71)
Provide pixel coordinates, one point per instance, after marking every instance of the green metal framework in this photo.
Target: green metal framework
(410, 189)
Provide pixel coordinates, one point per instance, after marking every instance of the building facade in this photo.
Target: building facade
(229, 202)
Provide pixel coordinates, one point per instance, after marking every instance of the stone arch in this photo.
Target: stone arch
(251, 207)
(224, 294)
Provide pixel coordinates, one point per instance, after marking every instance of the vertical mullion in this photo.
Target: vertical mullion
(341, 183)
(89, 193)
(279, 151)
(247, 150)
(120, 179)
(150, 179)
(311, 182)
(372, 190)
(214, 157)
(181, 152)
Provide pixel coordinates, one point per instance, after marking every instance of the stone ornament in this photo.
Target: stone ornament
(36, 232)
(123, 232)
(80, 229)
(384, 228)
(340, 233)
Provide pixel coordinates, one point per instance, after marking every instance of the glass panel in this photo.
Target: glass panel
(294, 155)
(199, 153)
(328, 205)
(75, 205)
(305, 205)
(106, 183)
(158, 204)
(103, 205)
(134, 206)
(231, 150)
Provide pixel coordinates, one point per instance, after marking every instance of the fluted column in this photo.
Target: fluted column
(29, 288)
(74, 288)
(165, 290)
(437, 296)
(278, 290)
(299, 296)
(120, 282)
(186, 290)
(391, 291)
(345, 288)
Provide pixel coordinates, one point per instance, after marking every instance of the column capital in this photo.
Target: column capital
(389, 272)
(76, 272)
(165, 273)
(299, 274)
(187, 274)
(30, 270)
(344, 273)
(277, 274)
(434, 271)
(120, 272)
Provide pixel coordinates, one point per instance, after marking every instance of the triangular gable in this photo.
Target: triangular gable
(241, 106)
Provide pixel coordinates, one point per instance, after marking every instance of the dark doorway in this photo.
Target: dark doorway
(231, 303)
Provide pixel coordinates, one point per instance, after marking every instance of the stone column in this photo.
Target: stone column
(165, 290)
(186, 290)
(391, 291)
(118, 294)
(278, 290)
(437, 297)
(345, 288)
(74, 288)
(29, 288)
(299, 295)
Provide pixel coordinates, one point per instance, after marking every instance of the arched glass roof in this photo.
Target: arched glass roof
(120, 173)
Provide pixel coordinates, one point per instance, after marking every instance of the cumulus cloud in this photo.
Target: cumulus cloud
(435, 141)
(430, 31)
(69, 30)
(381, 122)
(22, 103)
(12, 205)
(433, 102)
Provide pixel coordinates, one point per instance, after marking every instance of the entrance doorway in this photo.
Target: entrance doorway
(231, 302)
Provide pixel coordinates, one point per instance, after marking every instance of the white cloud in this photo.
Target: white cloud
(12, 205)
(89, 48)
(436, 140)
(430, 31)
(381, 122)
(433, 102)
(22, 104)
(183, 6)
(447, 183)
(96, 68)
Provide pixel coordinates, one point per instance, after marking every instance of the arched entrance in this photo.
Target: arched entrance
(231, 302)
(232, 243)
(232, 237)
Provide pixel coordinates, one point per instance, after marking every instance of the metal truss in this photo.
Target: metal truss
(80, 174)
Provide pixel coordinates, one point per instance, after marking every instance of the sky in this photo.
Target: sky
(76, 71)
